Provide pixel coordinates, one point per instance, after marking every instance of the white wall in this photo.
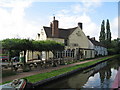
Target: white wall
(42, 35)
(101, 50)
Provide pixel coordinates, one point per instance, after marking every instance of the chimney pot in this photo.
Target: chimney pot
(80, 25)
(88, 37)
(54, 18)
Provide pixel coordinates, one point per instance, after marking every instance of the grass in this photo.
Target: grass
(43, 76)
(5, 82)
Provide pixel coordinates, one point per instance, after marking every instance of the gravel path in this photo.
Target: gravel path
(42, 70)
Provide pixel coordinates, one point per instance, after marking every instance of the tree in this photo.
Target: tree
(108, 34)
(102, 32)
(114, 49)
(11, 46)
(119, 45)
(26, 44)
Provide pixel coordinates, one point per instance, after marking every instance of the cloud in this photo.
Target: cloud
(13, 22)
(89, 27)
(79, 13)
(91, 3)
(85, 6)
(114, 28)
(77, 8)
(15, 3)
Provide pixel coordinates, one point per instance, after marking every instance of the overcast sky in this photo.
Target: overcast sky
(24, 18)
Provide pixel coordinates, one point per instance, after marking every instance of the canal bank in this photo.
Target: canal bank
(42, 72)
(75, 69)
(39, 75)
(99, 75)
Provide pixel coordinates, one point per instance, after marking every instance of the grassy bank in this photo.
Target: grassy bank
(42, 76)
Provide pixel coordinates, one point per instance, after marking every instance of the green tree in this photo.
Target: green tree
(24, 45)
(108, 34)
(102, 33)
(118, 45)
(114, 49)
(31, 45)
(10, 45)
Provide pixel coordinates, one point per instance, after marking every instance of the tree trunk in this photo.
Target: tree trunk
(32, 55)
(48, 54)
(11, 61)
(24, 62)
(28, 55)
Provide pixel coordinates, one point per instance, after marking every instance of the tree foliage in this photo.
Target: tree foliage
(102, 32)
(26, 44)
(108, 34)
(115, 47)
(105, 37)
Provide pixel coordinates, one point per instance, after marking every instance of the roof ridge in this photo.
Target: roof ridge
(68, 28)
(63, 33)
(62, 28)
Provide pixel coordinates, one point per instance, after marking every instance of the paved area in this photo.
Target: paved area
(41, 70)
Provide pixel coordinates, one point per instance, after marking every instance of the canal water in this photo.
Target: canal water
(100, 76)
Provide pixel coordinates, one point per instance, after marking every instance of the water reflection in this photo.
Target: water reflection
(100, 76)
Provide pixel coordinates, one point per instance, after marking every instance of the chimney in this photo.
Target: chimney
(80, 25)
(93, 38)
(88, 37)
(50, 24)
(54, 25)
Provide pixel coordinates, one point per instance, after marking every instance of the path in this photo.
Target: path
(37, 71)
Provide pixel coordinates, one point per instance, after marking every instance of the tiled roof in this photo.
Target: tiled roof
(63, 33)
(96, 43)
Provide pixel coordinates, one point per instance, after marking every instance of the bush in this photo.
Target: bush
(111, 51)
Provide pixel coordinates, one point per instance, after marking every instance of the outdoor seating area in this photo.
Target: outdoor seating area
(32, 65)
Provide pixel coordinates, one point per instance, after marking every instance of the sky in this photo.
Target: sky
(119, 19)
(25, 18)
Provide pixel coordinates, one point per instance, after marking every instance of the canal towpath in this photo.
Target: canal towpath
(43, 70)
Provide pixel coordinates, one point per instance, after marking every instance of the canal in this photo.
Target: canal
(100, 76)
